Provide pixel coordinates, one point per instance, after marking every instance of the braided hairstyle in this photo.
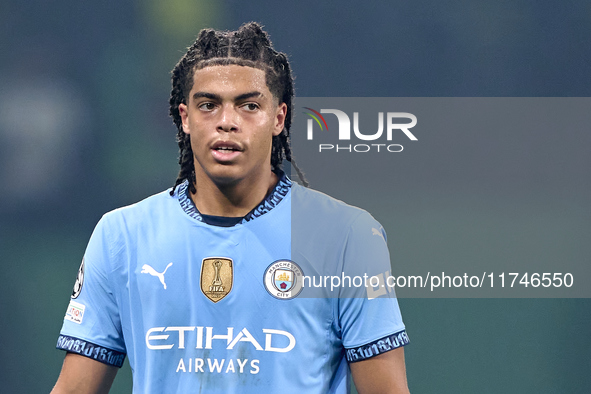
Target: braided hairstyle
(248, 46)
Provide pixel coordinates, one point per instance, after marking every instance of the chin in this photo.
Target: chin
(226, 176)
(231, 174)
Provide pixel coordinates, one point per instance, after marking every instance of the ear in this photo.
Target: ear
(183, 112)
(280, 115)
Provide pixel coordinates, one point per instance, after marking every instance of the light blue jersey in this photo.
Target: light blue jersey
(202, 308)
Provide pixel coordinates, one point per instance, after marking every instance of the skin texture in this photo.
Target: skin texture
(82, 375)
(383, 374)
(231, 105)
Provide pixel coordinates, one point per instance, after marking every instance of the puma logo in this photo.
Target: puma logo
(146, 269)
(375, 231)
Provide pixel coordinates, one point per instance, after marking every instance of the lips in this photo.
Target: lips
(224, 151)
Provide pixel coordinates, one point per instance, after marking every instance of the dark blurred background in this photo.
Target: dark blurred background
(84, 129)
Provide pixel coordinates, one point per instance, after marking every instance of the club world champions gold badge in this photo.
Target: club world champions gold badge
(217, 277)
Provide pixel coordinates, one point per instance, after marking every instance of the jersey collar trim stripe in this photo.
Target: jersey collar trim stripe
(271, 201)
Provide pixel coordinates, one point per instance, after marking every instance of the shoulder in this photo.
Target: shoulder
(314, 206)
(154, 208)
(134, 227)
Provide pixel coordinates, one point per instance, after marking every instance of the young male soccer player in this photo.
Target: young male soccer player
(203, 286)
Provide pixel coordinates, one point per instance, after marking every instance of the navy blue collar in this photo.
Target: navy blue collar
(275, 197)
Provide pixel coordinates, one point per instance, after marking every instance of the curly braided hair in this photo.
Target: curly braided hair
(248, 46)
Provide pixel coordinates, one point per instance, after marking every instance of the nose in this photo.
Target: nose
(228, 120)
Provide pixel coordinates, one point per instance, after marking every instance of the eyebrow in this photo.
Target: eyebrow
(217, 97)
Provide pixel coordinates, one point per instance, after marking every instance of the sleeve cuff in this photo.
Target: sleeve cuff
(377, 347)
(91, 350)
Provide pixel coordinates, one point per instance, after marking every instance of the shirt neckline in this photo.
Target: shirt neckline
(269, 202)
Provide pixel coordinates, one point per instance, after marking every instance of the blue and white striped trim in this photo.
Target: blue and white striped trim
(91, 350)
(270, 202)
(380, 346)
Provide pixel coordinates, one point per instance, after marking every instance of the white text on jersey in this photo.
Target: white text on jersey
(166, 341)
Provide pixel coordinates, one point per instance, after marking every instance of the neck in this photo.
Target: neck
(231, 199)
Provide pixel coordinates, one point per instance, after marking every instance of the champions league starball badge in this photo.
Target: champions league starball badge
(283, 279)
(79, 281)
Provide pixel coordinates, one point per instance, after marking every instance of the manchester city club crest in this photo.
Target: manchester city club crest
(284, 279)
(217, 277)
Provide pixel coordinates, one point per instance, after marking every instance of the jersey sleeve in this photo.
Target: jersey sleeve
(368, 315)
(92, 325)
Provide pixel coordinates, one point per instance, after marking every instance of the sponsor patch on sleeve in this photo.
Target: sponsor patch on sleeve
(75, 312)
(91, 350)
(380, 346)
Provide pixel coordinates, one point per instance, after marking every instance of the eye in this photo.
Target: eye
(251, 107)
(209, 106)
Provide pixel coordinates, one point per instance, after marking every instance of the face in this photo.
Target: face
(231, 118)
